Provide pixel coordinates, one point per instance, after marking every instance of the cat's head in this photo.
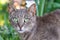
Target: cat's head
(25, 19)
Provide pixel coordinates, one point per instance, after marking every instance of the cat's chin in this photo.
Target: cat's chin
(21, 31)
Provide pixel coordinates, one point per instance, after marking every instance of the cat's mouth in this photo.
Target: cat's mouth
(20, 30)
(23, 29)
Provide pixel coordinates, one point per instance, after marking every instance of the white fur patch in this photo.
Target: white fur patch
(21, 31)
(29, 3)
(25, 29)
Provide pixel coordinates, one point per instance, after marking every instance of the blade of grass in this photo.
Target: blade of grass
(5, 18)
(40, 7)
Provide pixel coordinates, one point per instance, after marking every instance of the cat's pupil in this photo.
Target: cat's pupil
(26, 19)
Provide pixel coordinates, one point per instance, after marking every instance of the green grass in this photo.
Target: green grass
(8, 33)
(45, 6)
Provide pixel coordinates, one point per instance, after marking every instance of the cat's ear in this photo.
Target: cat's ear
(13, 6)
(9, 8)
(32, 9)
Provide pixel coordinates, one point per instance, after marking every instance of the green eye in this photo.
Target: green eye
(26, 19)
(15, 19)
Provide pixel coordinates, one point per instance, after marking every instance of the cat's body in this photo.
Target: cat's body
(31, 27)
(46, 28)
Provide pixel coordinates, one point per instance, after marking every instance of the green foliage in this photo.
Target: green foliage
(40, 7)
(58, 1)
(8, 33)
(44, 6)
(1, 38)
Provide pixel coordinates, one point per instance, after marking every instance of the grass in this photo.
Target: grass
(44, 6)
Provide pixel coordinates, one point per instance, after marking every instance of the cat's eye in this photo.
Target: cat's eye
(26, 19)
(15, 19)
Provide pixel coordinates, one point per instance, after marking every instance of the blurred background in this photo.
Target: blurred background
(7, 32)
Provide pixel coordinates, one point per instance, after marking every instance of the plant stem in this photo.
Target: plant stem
(42, 2)
(5, 18)
(40, 7)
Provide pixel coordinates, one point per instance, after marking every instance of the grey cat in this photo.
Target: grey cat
(32, 27)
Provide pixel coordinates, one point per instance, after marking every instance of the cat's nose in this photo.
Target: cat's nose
(20, 29)
(22, 25)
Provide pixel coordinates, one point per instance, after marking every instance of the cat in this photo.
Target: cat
(32, 27)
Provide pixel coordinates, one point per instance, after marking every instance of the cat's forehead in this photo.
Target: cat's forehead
(22, 12)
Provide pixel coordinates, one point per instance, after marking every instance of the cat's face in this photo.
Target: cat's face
(26, 22)
(25, 19)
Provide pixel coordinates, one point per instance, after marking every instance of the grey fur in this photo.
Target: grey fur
(46, 27)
